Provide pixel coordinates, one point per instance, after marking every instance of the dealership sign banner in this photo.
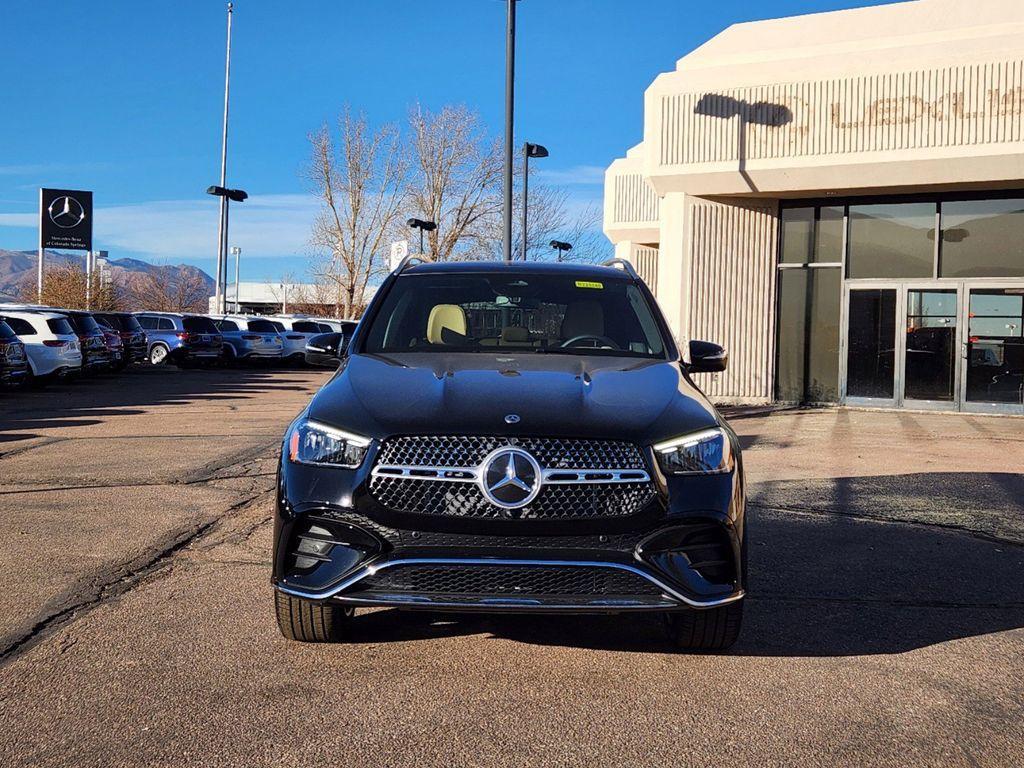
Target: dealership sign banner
(65, 219)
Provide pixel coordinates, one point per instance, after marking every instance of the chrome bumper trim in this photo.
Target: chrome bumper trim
(373, 568)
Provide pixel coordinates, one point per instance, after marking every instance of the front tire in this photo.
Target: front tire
(712, 629)
(158, 354)
(309, 622)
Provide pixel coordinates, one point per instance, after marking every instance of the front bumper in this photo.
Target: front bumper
(348, 558)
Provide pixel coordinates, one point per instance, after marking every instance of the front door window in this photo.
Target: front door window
(995, 347)
(871, 352)
(930, 356)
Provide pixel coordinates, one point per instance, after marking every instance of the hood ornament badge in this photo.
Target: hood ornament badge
(512, 418)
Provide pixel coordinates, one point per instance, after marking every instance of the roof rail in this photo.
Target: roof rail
(405, 262)
(626, 267)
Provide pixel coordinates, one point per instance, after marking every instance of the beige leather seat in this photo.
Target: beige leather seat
(446, 317)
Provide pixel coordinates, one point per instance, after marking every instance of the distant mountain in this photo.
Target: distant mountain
(19, 267)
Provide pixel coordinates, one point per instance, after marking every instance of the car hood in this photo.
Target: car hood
(472, 393)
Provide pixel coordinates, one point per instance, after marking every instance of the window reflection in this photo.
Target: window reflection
(982, 238)
(931, 345)
(892, 240)
(995, 347)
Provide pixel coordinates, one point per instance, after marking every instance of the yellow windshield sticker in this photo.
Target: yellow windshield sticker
(589, 284)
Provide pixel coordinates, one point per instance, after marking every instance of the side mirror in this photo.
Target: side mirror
(325, 350)
(706, 357)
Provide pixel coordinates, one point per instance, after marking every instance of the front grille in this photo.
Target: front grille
(555, 502)
(458, 496)
(469, 451)
(507, 580)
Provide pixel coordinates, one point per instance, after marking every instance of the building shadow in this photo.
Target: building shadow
(764, 113)
(821, 585)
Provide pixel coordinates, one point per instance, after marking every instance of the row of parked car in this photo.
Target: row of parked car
(39, 343)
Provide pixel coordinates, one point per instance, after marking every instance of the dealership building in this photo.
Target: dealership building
(838, 199)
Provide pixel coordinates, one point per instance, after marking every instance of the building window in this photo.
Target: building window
(810, 287)
(892, 240)
(982, 238)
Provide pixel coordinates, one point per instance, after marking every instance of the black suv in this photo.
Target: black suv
(513, 437)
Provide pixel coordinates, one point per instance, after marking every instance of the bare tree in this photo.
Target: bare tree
(361, 186)
(456, 182)
(65, 286)
(170, 290)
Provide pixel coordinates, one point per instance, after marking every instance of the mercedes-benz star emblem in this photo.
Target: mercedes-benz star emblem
(512, 418)
(66, 212)
(510, 478)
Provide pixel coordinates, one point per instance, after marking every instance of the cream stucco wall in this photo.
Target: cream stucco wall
(922, 95)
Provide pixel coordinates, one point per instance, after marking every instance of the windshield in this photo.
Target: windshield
(542, 313)
(5, 331)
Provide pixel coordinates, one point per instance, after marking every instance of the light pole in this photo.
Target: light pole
(225, 195)
(560, 248)
(222, 222)
(510, 76)
(422, 226)
(237, 253)
(529, 150)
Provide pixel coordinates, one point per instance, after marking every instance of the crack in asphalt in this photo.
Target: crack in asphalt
(120, 578)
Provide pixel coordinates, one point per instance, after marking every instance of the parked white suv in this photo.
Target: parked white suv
(296, 332)
(50, 342)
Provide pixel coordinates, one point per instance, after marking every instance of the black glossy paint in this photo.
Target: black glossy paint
(640, 400)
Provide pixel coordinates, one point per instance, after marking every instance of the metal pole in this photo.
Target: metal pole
(39, 275)
(222, 277)
(421, 241)
(88, 279)
(238, 256)
(526, 191)
(510, 71)
(222, 226)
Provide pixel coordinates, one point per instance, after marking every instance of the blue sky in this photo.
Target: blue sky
(124, 98)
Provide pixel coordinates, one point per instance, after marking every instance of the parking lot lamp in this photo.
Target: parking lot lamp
(529, 150)
(560, 248)
(237, 253)
(225, 195)
(422, 226)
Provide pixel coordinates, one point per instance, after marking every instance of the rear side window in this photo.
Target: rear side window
(199, 325)
(19, 326)
(128, 323)
(84, 323)
(262, 326)
(164, 324)
(6, 332)
(227, 325)
(304, 326)
(149, 323)
(60, 326)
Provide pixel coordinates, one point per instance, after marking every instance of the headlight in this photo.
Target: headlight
(699, 453)
(313, 443)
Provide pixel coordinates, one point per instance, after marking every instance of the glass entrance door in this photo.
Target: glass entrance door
(870, 360)
(992, 351)
(936, 345)
(929, 369)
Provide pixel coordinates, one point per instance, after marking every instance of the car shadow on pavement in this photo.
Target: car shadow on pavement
(29, 414)
(821, 584)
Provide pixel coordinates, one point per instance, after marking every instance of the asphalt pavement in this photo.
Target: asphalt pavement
(885, 623)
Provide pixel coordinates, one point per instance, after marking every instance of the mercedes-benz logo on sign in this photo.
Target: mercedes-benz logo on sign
(510, 478)
(66, 212)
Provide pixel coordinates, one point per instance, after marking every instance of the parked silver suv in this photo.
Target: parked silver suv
(248, 338)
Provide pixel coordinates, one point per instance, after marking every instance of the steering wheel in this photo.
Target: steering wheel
(602, 341)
